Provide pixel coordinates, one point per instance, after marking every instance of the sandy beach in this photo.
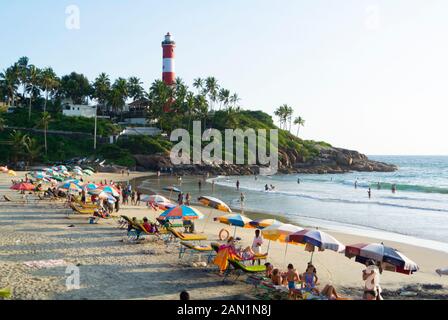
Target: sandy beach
(112, 268)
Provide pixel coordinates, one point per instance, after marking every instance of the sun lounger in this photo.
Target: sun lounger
(202, 250)
(216, 246)
(80, 210)
(185, 237)
(238, 268)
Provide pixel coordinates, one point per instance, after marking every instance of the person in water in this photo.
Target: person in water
(298, 181)
(238, 184)
(266, 188)
(379, 186)
(356, 184)
(369, 192)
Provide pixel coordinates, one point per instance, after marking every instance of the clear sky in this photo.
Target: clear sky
(370, 75)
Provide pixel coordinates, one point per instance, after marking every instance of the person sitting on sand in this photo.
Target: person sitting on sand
(269, 269)
(329, 292)
(292, 277)
(310, 280)
(277, 278)
(371, 276)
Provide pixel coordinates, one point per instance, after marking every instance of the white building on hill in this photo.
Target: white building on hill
(70, 109)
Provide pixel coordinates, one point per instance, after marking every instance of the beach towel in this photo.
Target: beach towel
(42, 264)
(222, 258)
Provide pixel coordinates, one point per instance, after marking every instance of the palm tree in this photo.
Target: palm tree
(211, 88)
(198, 83)
(49, 82)
(33, 149)
(101, 89)
(135, 88)
(224, 97)
(22, 65)
(18, 143)
(43, 123)
(299, 122)
(119, 94)
(10, 81)
(280, 113)
(234, 99)
(33, 81)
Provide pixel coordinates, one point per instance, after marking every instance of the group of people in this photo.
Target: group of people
(369, 191)
(308, 281)
(184, 199)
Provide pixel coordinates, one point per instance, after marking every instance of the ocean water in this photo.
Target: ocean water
(417, 213)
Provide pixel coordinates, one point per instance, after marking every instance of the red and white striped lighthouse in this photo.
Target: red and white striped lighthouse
(169, 73)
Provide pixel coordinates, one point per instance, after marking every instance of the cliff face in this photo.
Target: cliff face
(329, 160)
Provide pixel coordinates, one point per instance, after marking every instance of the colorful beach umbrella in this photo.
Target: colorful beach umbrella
(90, 186)
(236, 220)
(88, 172)
(391, 259)
(154, 199)
(12, 173)
(39, 175)
(181, 213)
(107, 196)
(280, 232)
(214, 203)
(316, 239)
(264, 223)
(25, 186)
(112, 190)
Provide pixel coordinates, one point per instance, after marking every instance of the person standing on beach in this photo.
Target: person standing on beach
(256, 245)
(139, 197)
(187, 199)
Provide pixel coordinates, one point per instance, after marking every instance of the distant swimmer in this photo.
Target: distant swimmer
(379, 186)
(369, 192)
(272, 187)
(298, 181)
(266, 188)
(356, 184)
(394, 188)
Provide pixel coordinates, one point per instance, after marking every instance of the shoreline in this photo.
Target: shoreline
(331, 226)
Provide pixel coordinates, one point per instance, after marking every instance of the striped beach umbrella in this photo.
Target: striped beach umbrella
(66, 184)
(316, 239)
(181, 213)
(23, 187)
(236, 220)
(88, 172)
(112, 190)
(264, 223)
(280, 232)
(90, 186)
(154, 199)
(39, 175)
(391, 259)
(214, 203)
(107, 196)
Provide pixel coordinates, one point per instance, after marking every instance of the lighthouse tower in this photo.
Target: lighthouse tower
(169, 74)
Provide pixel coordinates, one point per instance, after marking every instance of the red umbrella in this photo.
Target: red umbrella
(23, 187)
